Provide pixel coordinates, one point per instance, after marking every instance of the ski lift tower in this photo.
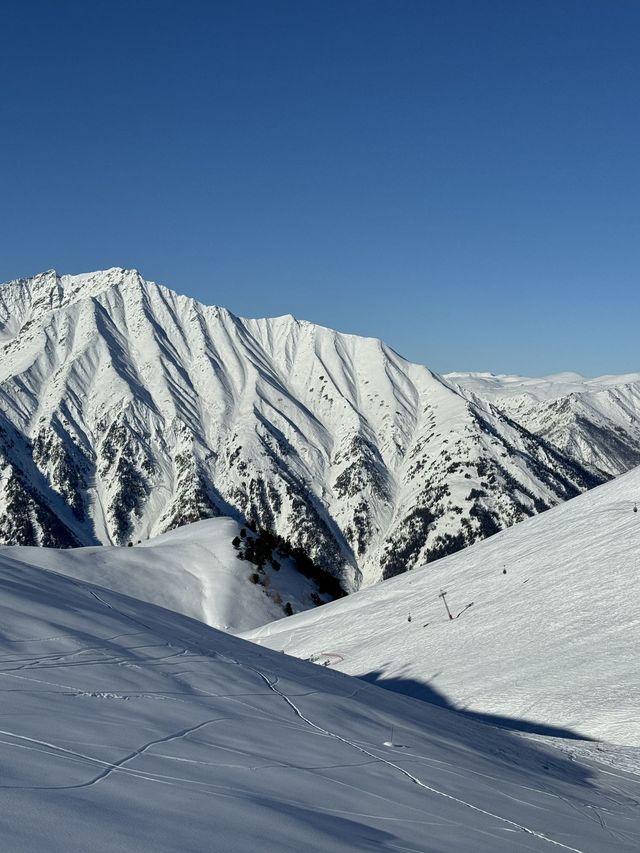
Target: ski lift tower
(442, 595)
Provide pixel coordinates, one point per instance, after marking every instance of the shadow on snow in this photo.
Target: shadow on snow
(427, 693)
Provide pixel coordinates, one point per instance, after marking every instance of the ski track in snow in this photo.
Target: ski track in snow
(119, 766)
(273, 685)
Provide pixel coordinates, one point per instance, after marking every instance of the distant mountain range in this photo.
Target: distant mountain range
(595, 421)
(127, 410)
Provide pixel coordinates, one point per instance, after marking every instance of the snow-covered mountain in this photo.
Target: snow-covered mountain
(127, 410)
(193, 570)
(594, 421)
(547, 626)
(131, 728)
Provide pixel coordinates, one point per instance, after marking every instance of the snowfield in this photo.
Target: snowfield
(131, 728)
(553, 642)
(193, 570)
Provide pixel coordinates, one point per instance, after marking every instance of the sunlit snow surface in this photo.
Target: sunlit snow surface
(127, 727)
(553, 642)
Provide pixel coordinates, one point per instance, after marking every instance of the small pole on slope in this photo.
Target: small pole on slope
(442, 596)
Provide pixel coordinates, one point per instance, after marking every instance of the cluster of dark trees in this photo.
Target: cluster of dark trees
(261, 546)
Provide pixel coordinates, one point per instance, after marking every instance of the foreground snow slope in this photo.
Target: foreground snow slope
(127, 727)
(192, 570)
(554, 640)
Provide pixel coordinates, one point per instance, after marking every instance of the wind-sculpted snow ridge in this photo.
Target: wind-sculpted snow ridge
(193, 570)
(128, 727)
(127, 410)
(545, 626)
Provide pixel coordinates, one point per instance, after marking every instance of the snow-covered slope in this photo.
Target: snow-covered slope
(553, 641)
(127, 727)
(594, 421)
(193, 570)
(127, 410)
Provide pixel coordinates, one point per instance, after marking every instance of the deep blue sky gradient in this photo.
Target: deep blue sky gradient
(458, 177)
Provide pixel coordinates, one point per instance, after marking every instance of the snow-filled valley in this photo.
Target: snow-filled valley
(128, 727)
(547, 630)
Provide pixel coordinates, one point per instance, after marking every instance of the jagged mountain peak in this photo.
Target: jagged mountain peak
(82, 284)
(33, 298)
(127, 409)
(49, 291)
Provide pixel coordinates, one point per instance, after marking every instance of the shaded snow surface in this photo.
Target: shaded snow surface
(131, 728)
(553, 642)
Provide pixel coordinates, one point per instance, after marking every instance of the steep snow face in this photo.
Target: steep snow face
(594, 421)
(193, 570)
(127, 410)
(127, 727)
(547, 627)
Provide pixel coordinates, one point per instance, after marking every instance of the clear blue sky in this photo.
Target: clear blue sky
(458, 177)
